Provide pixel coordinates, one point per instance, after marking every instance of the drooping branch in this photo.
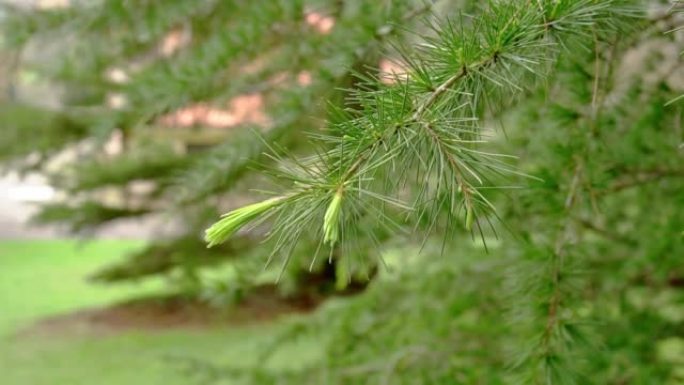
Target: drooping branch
(491, 54)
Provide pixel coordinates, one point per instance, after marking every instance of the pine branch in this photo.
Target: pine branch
(610, 235)
(196, 74)
(223, 166)
(638, 178)
(550, 360)
(148, 162)
(85, 217)
(130, 29)
(28, 129)
(509, 40)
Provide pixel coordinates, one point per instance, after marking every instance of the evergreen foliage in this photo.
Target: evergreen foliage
(572, 275)
(214, 67)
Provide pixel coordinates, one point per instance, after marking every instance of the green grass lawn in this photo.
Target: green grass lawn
(44, 278)
(48, 277)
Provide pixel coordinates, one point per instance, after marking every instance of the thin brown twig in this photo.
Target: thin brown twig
(559, 258)
(640, 179)
(604, 232)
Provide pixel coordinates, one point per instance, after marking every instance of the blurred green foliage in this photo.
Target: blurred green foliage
(577, 275)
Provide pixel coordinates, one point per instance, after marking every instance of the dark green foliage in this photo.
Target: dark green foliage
(83, 218)
(595, 157)
(151, 162)
(27, 130)
(185, 253)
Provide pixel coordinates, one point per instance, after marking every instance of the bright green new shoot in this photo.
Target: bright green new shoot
(331, 227)
(233, 221)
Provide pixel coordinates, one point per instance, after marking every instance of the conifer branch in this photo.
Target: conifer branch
(222, 167)
(558, 333)
(638, 178)
(507, 32)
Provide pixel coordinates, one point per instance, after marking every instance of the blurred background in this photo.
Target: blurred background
(127, 127)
